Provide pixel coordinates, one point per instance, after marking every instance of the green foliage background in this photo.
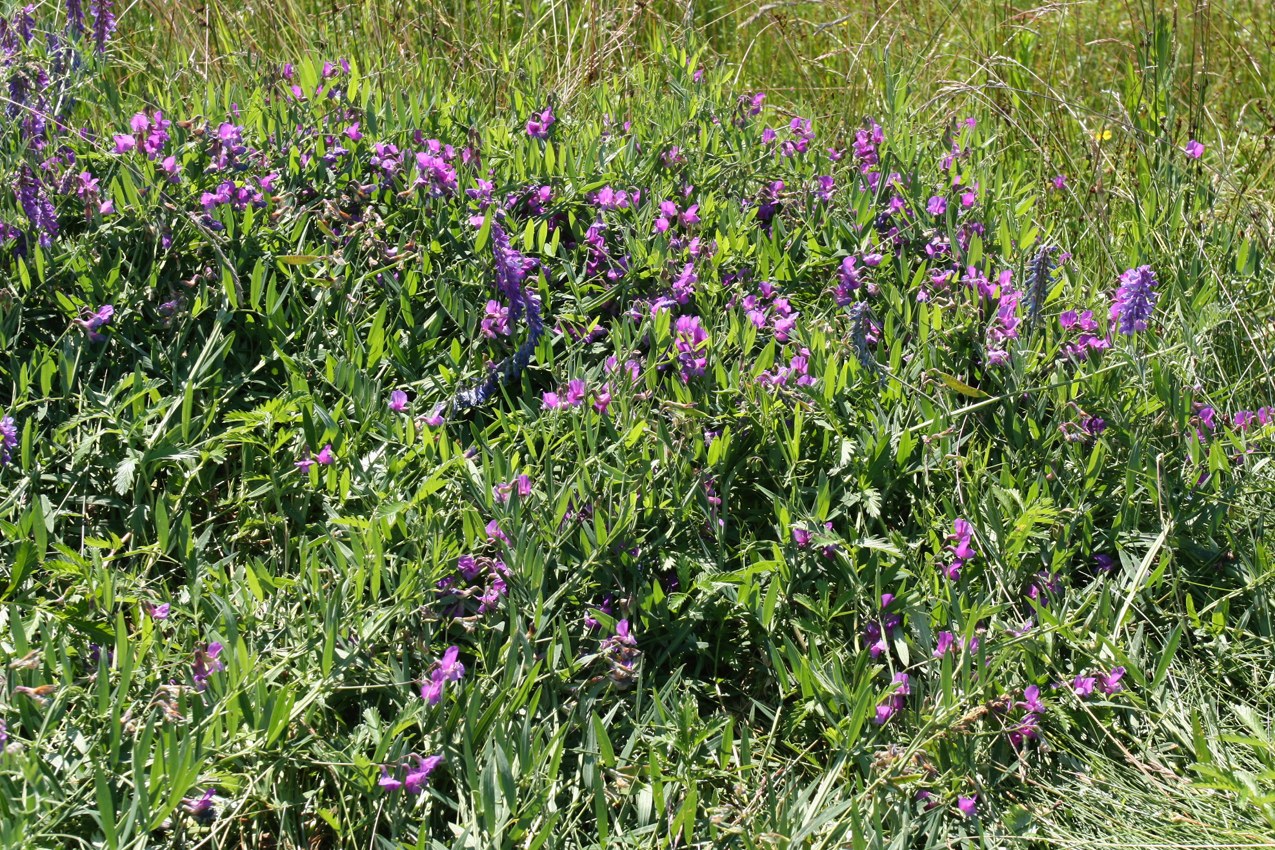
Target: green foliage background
(159, 466)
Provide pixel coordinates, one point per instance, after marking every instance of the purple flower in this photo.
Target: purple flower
(494, 533)
(325, 455)
(1135, 300)
(1028, 729)
(436, 418)
(1031, 700)
(206, 663)
(432, 690)
(962, 532)
(538, 124)
(1110, 683)
(398, 401)
(449, 667)
(8, 439)
(692, 346)
(550, 401)
(1105, 563)
(389, 783)
(946, 641)
(103, 23)
(160, 611)
(937, 205)
(1194, 149)
(884, 713)
(201, 808)
(576, 392)
(801, 537)
(418, 777)
(1083, 685)
(968, 805)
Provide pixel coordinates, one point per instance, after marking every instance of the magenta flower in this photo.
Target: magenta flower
(432, 690)
(801, 537)
(1194, 149)
(325, 455)
(305, 463)
(389, 783)
(494, 533)
(201, 808)
(937, 205)
(968, 805)
(883, 715)
(946, 641)
(94, 323)
(550, 401)
(962, 533)
(1031, 700)
(418, 777)
(576, 392)
(449, 667)
(539, 123)
(206, 663)
(436, 418)
(8, 439)
(692, 347)
(1083, 685)
(1110, 682)
(1028, 729)
(160, 611)
(398, 401)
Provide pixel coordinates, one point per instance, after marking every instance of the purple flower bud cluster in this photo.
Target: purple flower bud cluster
(1134, 301)
(8, 439)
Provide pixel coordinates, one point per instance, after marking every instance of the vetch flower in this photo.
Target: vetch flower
(1135, 300)
(1031, 700)
(1194, 149)
(398, 401)
(968, 806)
(160, 611)
(8, 439)
(418, 775)
(1083, 685)
(206, 663)
(201, 808)
(325, 455)
(539, 123)
(1110, 683)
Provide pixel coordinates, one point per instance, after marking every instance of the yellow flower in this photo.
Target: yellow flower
(1102, 134)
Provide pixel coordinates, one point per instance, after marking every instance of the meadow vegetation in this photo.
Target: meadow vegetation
(538, 424)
